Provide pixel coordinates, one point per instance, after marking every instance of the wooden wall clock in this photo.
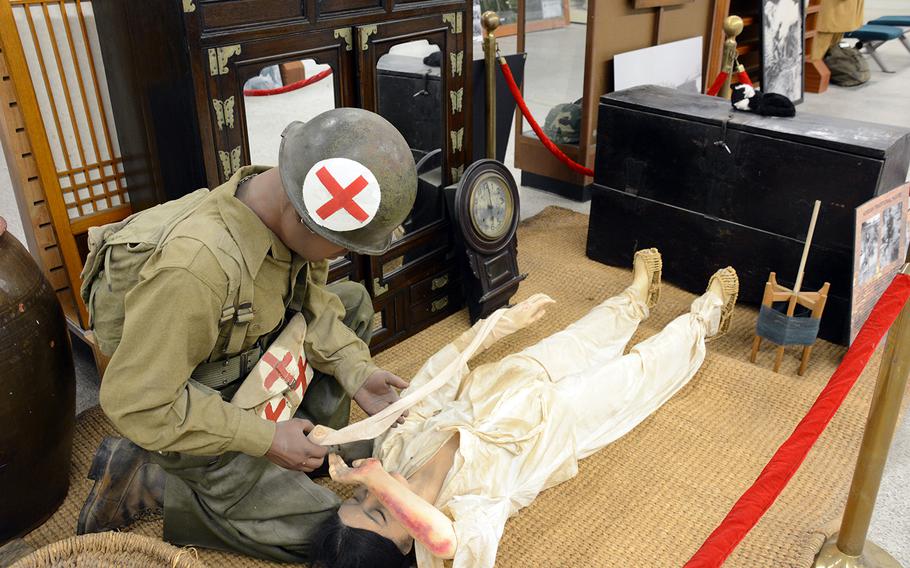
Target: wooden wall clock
(485, 206)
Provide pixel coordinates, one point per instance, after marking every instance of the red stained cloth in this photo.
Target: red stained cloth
(772, 480)
(560, 155)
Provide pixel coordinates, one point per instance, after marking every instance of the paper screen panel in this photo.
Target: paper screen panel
(62, 50)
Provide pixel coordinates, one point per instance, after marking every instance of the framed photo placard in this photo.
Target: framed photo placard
(880, 250)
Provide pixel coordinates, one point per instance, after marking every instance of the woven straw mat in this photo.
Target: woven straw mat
(651, 498)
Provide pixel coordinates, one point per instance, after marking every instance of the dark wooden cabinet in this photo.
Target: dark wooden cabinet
(178, 71)
(680, 173)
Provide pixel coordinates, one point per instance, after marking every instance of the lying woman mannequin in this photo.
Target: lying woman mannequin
(442, 485)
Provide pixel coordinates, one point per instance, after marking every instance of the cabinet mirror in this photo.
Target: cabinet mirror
(279, 94)
(409, 89)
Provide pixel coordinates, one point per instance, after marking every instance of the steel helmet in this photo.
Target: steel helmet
(351, 177)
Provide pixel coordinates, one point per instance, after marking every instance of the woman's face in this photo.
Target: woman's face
(364, 511)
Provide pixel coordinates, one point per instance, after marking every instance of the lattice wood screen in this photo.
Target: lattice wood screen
(54, 60)
(24, 174)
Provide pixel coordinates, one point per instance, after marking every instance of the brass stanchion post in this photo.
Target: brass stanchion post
(733, 26)
(490, 21)
(849, 548)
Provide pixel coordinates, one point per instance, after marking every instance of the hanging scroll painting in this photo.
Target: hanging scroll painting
(783, 48)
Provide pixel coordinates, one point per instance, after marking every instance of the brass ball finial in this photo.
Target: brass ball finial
(733, 26)
(490, 20)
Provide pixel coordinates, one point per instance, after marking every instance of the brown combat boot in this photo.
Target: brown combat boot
(127, 487)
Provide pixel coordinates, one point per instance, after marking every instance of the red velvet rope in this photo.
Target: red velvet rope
(772, 480)
(717, 84)
(288, 88)
(741, 76)
(560, 155)
(744, 78)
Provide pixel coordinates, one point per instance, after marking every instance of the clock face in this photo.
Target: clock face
(491, 206)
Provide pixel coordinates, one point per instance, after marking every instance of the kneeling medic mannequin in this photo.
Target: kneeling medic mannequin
(235, 480)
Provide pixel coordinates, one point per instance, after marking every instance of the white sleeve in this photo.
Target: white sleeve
(390, 445)
(478, 522)
(437, 399)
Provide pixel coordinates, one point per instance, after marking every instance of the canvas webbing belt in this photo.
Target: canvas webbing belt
(219, 374)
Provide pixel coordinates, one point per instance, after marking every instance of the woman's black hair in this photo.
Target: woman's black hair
(336, 545)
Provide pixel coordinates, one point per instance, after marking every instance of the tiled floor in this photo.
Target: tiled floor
(553, 76)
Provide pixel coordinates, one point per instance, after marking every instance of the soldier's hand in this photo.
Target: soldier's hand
(292, 450)
(377, 392)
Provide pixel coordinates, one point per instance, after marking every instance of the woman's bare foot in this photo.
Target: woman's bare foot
(725, 285)
(646, 271)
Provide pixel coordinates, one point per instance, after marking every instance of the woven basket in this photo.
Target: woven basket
(109, 550)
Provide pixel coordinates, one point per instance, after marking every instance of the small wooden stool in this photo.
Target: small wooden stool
(813, 301)
(787, 328)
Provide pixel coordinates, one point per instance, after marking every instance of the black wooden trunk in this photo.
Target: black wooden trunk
(709, 188)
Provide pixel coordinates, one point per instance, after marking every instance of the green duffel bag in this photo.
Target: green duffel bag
(848, 66)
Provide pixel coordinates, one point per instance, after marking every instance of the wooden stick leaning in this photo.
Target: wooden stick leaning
(383, 420)
(791, 307)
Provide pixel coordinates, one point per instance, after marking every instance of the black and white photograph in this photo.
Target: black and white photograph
(869, 248)
(892, 219)
(782, 48)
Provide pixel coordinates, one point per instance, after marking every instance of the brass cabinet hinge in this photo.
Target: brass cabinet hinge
(230, 162)
(218, 58)
(454, 20)
(457, 139)
(345, 34)
(365, 33)
(457, 62)
(457, 97)
(224, 112)
(189, 6)
(456, 173)
(378, 288)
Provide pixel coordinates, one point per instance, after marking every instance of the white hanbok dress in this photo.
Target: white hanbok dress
(525, 421)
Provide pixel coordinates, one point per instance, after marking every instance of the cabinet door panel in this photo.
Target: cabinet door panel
(409, 77)
(337, 7)
(412, 73)
(217, 15)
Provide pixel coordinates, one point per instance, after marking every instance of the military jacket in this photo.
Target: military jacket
(174, 323)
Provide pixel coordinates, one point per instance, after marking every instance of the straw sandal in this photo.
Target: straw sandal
(653, 265)
(729, 284)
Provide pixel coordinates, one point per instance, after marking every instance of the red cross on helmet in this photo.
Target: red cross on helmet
(351, 177)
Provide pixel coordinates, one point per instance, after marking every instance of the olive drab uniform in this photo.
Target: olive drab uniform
(205, 306)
